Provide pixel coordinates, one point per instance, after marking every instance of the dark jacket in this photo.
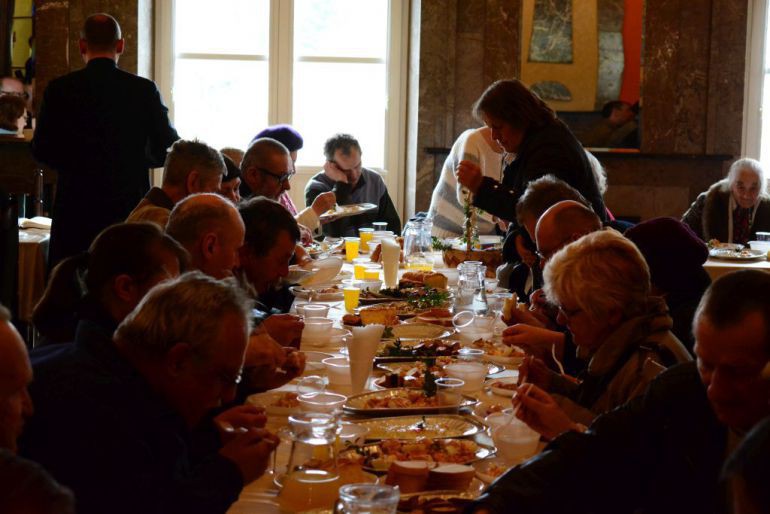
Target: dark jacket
(552, 150)
(102, 129)
(101, 430)
(369, 189)
(707, 216)
(659, 453)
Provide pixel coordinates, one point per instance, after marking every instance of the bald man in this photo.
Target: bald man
(561, 224)
(102, 129)
(15, 376)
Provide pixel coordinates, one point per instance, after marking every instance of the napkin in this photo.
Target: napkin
(361, 351)
(391, 254)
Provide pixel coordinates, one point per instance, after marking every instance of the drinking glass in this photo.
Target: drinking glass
(372, 271)
(351, 248)
(365, 234)
(449, 390)
(367, 499)
(352, 295)
(380, 226)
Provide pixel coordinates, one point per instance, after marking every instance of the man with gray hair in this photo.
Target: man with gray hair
(211, 230)
(128, 424)
(15, 377)
(191, 167)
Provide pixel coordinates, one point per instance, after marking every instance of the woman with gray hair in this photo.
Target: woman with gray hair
(601, 286)
(734, 209)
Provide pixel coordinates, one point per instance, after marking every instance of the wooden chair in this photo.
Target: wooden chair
(21, 174)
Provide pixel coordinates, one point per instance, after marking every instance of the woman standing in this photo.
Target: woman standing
(524, 125)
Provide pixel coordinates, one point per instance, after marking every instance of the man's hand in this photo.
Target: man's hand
(239, 419)
(540, 412)
(285, 328)
(469, 175)
(333, 172)
(301, 257)
(294, 365)
(250, 451)
(324, 202)
(535, 341)
(305, 235)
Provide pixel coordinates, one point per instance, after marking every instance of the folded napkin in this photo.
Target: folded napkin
(361, 351)
(36, 222)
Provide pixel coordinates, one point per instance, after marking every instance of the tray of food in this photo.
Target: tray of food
(396, 351)
(319, 293)
(412, 374)
(377, 457)
(445, 502)
(343, 211)
(402, 400)
(496, 351)
(435, 426)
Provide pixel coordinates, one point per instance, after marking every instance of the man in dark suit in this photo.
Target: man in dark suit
(101, 128)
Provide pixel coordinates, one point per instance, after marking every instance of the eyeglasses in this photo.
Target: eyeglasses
(568, 314)
(228, 380)
(279, 178)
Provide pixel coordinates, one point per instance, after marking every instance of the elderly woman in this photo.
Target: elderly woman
(734, 209)
(522, 124)
(601, 285)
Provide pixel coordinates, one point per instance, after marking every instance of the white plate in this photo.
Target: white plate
(499, 390)
(336, 339)
(343, 211)
(414, 331)
(298, 274)
(267, 399)
(327, 269)
(735, 255)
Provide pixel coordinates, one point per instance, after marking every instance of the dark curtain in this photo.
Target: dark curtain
(6, 27)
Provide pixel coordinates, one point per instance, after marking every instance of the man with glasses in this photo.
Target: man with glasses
(131, 423)
(344, 174)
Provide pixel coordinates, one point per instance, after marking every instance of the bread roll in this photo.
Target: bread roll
(409, 476)
(454, 477)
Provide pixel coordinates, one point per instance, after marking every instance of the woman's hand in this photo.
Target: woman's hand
(535, 341)
(469, 175)
(535, 371)
(540, 412)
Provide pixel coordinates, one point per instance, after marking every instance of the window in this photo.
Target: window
(324, 66)
(756, 127)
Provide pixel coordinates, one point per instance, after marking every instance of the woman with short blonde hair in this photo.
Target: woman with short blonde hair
(601, 286)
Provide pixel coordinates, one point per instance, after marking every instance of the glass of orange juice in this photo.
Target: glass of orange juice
(351, 248)
(372, 271)
(366, 235)
(359, 266)
(352, 295)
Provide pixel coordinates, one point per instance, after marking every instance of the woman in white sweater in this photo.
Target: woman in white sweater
(446, 205)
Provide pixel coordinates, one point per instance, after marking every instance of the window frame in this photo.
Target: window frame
(280, 82)
(757, 21)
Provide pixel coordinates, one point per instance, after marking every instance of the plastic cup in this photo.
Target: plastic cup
(372, 271)
(351, 248)
(359, 267)
(472, 373)
(313, 310)
(365, 234)
(449, 390)
(368, 499)
(515, 441)
(380, 226)
(352, 295)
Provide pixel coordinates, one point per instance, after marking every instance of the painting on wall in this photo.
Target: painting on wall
(551, 40)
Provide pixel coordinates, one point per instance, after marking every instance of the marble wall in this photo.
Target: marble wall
(57, 53)
(692, 94)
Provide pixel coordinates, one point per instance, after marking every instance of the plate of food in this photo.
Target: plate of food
(716, 244)
(440, 316)
(319, 293)
(419, 426)
(396, 351)
(745, 254)
(510, 356)
(445, 502)
(506, 386)
(343, 211)
(276, 403)
(402, 400)
(377, 457)
(412, 374)
(325, 271)
(418, 331)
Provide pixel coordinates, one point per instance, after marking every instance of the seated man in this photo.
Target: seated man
(663, 451)
(13, 111)
(190, 167)
(617, 128)
(211, 229)
(126, 423)
(15, 377)
(267, 170)
(352, 184)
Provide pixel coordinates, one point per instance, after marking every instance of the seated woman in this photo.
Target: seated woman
(601, 285)
(734, 209)
(448, 200)
(105, 283)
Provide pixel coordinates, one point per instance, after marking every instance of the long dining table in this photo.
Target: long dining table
(261, 496)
